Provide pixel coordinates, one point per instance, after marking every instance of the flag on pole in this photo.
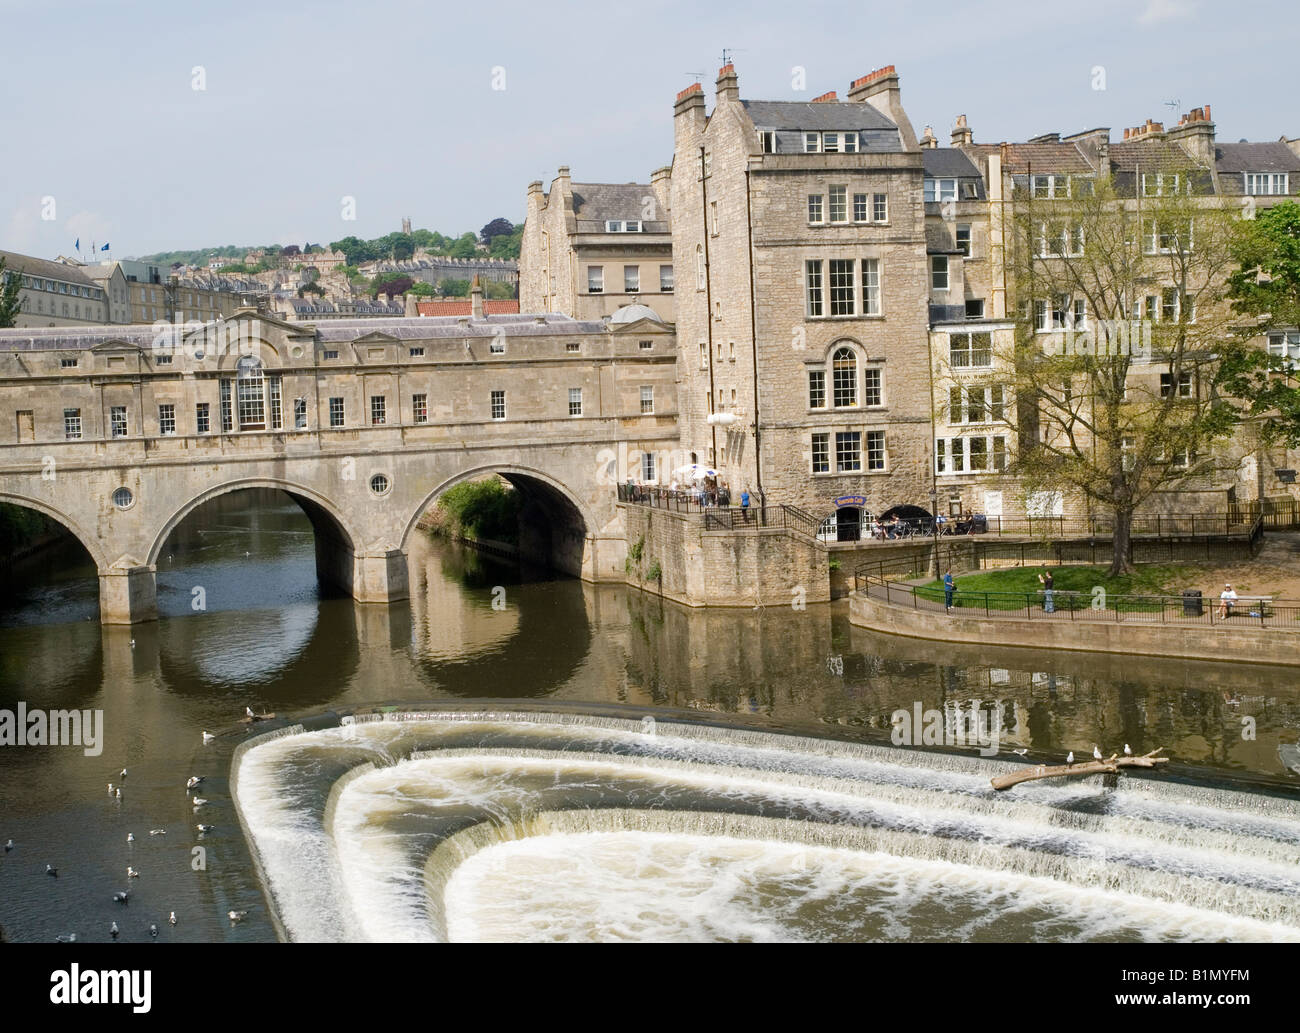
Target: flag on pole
(78, 243)
(104, 248)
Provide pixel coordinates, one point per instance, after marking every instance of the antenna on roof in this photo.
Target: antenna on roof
(1175, 105)
(728, 51)
(697, 76)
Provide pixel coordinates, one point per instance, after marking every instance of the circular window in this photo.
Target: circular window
(198, 354)
(379, 484)
(296, 352)
(123, 499)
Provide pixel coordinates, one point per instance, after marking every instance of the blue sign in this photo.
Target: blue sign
(850, 500)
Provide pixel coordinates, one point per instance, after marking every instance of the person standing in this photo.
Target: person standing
(948, 588)
(744, 504)
(1048, 603)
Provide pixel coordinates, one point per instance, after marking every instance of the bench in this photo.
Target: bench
(1257, 606)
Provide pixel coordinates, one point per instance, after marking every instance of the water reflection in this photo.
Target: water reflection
(268, 637)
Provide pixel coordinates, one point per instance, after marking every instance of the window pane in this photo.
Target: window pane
(816, 389)
(848, 451)
(842, 287)
(844, 368)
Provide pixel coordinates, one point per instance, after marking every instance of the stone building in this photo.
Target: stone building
(968, 219)
(590, 248)
(800, 240)
(55, 293)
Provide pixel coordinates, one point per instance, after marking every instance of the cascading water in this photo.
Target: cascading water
(525, 825)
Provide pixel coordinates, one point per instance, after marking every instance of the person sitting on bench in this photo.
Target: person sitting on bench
(1227, 600)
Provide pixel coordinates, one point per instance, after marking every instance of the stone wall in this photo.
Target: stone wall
(1193, 642)
(759, 567)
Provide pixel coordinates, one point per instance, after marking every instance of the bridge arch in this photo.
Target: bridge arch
(337, 544)
(567, 514)
(89, 542)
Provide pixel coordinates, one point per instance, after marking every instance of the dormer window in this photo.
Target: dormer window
(940, 189)
(1267, 183)
(767, 140)
(1157, 184)
(1050, 186)
(622, 226)
(830, 143)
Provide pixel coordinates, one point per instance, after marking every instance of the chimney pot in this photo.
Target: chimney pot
(825, 97)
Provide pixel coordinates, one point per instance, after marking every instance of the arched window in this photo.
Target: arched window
(844, 378)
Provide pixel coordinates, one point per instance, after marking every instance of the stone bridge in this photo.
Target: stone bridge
(118, 433)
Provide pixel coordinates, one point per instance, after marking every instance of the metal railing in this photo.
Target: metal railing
(1087, 607)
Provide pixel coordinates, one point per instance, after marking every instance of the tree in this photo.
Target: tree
(497, 290)
(466, 246)
(423, 290)
(1121, 335)
(496, 228)
(290, 250)
(10, 303)
(453, 288)
(507, 246)
(1266, 288)
(311, 288)
(391, 283)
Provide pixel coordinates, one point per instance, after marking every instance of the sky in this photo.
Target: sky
(157, 126)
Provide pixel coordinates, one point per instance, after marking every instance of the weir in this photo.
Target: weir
(406, 840)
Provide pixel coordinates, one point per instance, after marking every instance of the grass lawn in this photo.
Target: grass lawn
(1015, 583)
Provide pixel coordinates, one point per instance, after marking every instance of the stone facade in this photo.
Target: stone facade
(750, 333)
(590, 248)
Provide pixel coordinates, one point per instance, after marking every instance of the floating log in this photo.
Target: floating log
(1110, 766)
(246, 719)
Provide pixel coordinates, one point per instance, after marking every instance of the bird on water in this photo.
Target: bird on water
(1070, 758)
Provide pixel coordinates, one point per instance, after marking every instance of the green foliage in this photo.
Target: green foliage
(483, 509)
(495, 228)
(1072, 586)
(423, 290)
(10, 305)
(507, 245)
(497, 290)
(1268, 244)
(453, 288)
(654, 572)
(833, 563)
(19, 526)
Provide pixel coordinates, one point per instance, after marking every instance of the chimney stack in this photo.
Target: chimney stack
(881, 90)
(661, 183)
(961, 133)
(831, 96)
(928, 139)
(688, 111)
(476, 299)
(1195, 132)
(728, 84)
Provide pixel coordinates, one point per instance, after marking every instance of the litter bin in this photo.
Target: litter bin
(979, 524)
(1192, 602)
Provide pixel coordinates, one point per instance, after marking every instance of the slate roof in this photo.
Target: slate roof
(1041, 157)
(73, 338)
(1256, 157)
(45, 269)
(594, 204)
(1151, 155)
(948, 162)
(826, 115)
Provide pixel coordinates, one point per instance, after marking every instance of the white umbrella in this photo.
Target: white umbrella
(696, 472)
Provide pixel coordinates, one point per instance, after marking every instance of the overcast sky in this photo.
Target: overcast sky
(396, 105)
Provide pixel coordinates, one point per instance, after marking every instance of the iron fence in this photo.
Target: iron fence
(1087, 607)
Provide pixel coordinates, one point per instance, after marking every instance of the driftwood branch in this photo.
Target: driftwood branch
(1109, 766)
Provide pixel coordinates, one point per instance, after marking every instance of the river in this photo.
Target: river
(244, 624)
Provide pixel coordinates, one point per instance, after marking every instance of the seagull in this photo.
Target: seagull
(208, 737)
(51, 870)
(1128, 751)
(198, 802)
(130, 837)
(1096, 753)
(132, 643)
(1070, 759)
(153, 930)
(193, 781)
(110, 788)
(157, 832)
(246, 552)
(131, 873)
(118, 792)
(204, 828)
(70, 938)
(1020, 753)
(120, 897)
(236, 916)
(122, 776)
(9, 846)
(249, 711)
(172, 918)
(113, 930)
